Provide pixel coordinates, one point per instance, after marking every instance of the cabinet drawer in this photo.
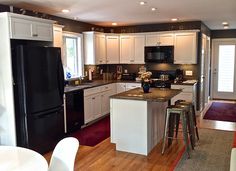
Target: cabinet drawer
(91, 91)
(185, 88)
(132, 85)
(106, 87)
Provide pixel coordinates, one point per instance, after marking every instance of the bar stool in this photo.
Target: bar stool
(173, 110)
(192, 113)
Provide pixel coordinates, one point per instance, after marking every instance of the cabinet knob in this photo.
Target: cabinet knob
(35, 35)
(93, 98)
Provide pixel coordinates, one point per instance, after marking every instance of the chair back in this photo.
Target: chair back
(63, 156)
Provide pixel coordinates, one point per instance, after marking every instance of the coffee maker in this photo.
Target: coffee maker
(179, 75)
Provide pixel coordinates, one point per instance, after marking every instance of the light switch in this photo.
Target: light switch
(189, 73)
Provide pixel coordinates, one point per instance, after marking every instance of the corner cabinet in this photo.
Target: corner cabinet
(94, 48)
(185, 48)
(30, 28)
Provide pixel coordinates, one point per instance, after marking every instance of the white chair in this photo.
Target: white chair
(63, 156)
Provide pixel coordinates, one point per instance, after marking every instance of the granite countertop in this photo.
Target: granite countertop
(94, 83)
(155, 94)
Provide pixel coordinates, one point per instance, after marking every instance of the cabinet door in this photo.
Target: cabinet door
(96, 106)
(139, 44)
(126, 49)
(166, 39)
(100, 49)
(88, 109)
(43, 31)
(185, 48)
(21, 29)
(152, 40)
(113, 49)
(105, 102)
(57, 36)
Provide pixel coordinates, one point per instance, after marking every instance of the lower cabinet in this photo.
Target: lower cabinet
(97, 101)
(121, 87)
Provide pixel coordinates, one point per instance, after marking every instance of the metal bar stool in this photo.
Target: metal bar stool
(173, 110)
(192, 113)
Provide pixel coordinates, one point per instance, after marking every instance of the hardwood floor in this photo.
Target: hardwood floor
(104, 157)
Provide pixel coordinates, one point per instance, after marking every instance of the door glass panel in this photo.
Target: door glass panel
(226, 68)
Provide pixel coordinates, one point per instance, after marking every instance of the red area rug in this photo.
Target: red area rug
(95, 133)
(221, 112)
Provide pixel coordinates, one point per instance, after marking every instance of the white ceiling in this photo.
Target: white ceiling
(129, 12)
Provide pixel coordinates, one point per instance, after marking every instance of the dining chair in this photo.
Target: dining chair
(63, 156)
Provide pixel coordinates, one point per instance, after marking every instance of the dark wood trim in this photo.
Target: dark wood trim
(223, 33)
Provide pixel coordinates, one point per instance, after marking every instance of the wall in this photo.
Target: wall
(223, 34)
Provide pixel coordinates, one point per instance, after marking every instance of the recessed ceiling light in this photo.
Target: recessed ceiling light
(75, 18)
(153, 9)
(226, 26)
(142, 3)
(65, 10)
(174, 19)
(114, 24)
(225, 23)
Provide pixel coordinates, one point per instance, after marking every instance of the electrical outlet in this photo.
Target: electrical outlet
(189, 73)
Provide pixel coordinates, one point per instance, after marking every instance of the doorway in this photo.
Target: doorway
(223, 69)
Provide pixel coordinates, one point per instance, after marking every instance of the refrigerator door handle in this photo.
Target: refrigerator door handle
(61, 78)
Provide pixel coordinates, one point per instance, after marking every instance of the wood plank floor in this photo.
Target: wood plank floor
(104, 157)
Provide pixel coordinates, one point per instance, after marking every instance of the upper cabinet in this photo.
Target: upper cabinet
(113, 49)
(160, 39)
(126, 49)
(185, 48)
(57, 35)
(30, 28)
(94, 48)
(139, 44)
(132, 49)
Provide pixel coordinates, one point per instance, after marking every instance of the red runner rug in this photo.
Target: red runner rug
(221, 112)
(95, 133)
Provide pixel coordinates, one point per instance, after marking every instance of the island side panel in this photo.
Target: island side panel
(129, 125)
(156, 122)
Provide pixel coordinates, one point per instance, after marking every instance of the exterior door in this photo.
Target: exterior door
(223, 74)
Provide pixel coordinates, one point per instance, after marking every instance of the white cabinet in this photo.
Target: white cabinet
(160, 39)
(57, 36)
(97, 101)
(112, 49)
(30, 28)
(188, 93)
(132, 49)
(185, 48)
(139, 44)
(94, 48)
(121, 87)
(126, 49)
(130, 86)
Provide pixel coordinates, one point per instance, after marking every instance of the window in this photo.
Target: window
(72, 54)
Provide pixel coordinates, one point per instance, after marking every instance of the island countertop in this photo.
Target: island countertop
(155, 94)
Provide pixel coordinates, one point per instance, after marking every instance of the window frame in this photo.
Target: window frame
(80, 51)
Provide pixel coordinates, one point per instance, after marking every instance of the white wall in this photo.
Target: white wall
(7, 117)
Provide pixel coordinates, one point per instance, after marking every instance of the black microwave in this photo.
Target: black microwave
(159, 54)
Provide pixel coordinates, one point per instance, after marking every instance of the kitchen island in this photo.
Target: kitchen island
(138, 119)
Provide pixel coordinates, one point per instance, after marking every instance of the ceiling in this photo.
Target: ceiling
(130, 12)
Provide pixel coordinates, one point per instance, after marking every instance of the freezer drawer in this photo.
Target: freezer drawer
(44, 131)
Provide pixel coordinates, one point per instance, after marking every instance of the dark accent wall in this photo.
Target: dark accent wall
(215, 34)
(69, 25)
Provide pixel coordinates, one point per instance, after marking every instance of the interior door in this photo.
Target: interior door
(223, 74)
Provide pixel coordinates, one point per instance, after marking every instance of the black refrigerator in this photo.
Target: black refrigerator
(38, 96)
